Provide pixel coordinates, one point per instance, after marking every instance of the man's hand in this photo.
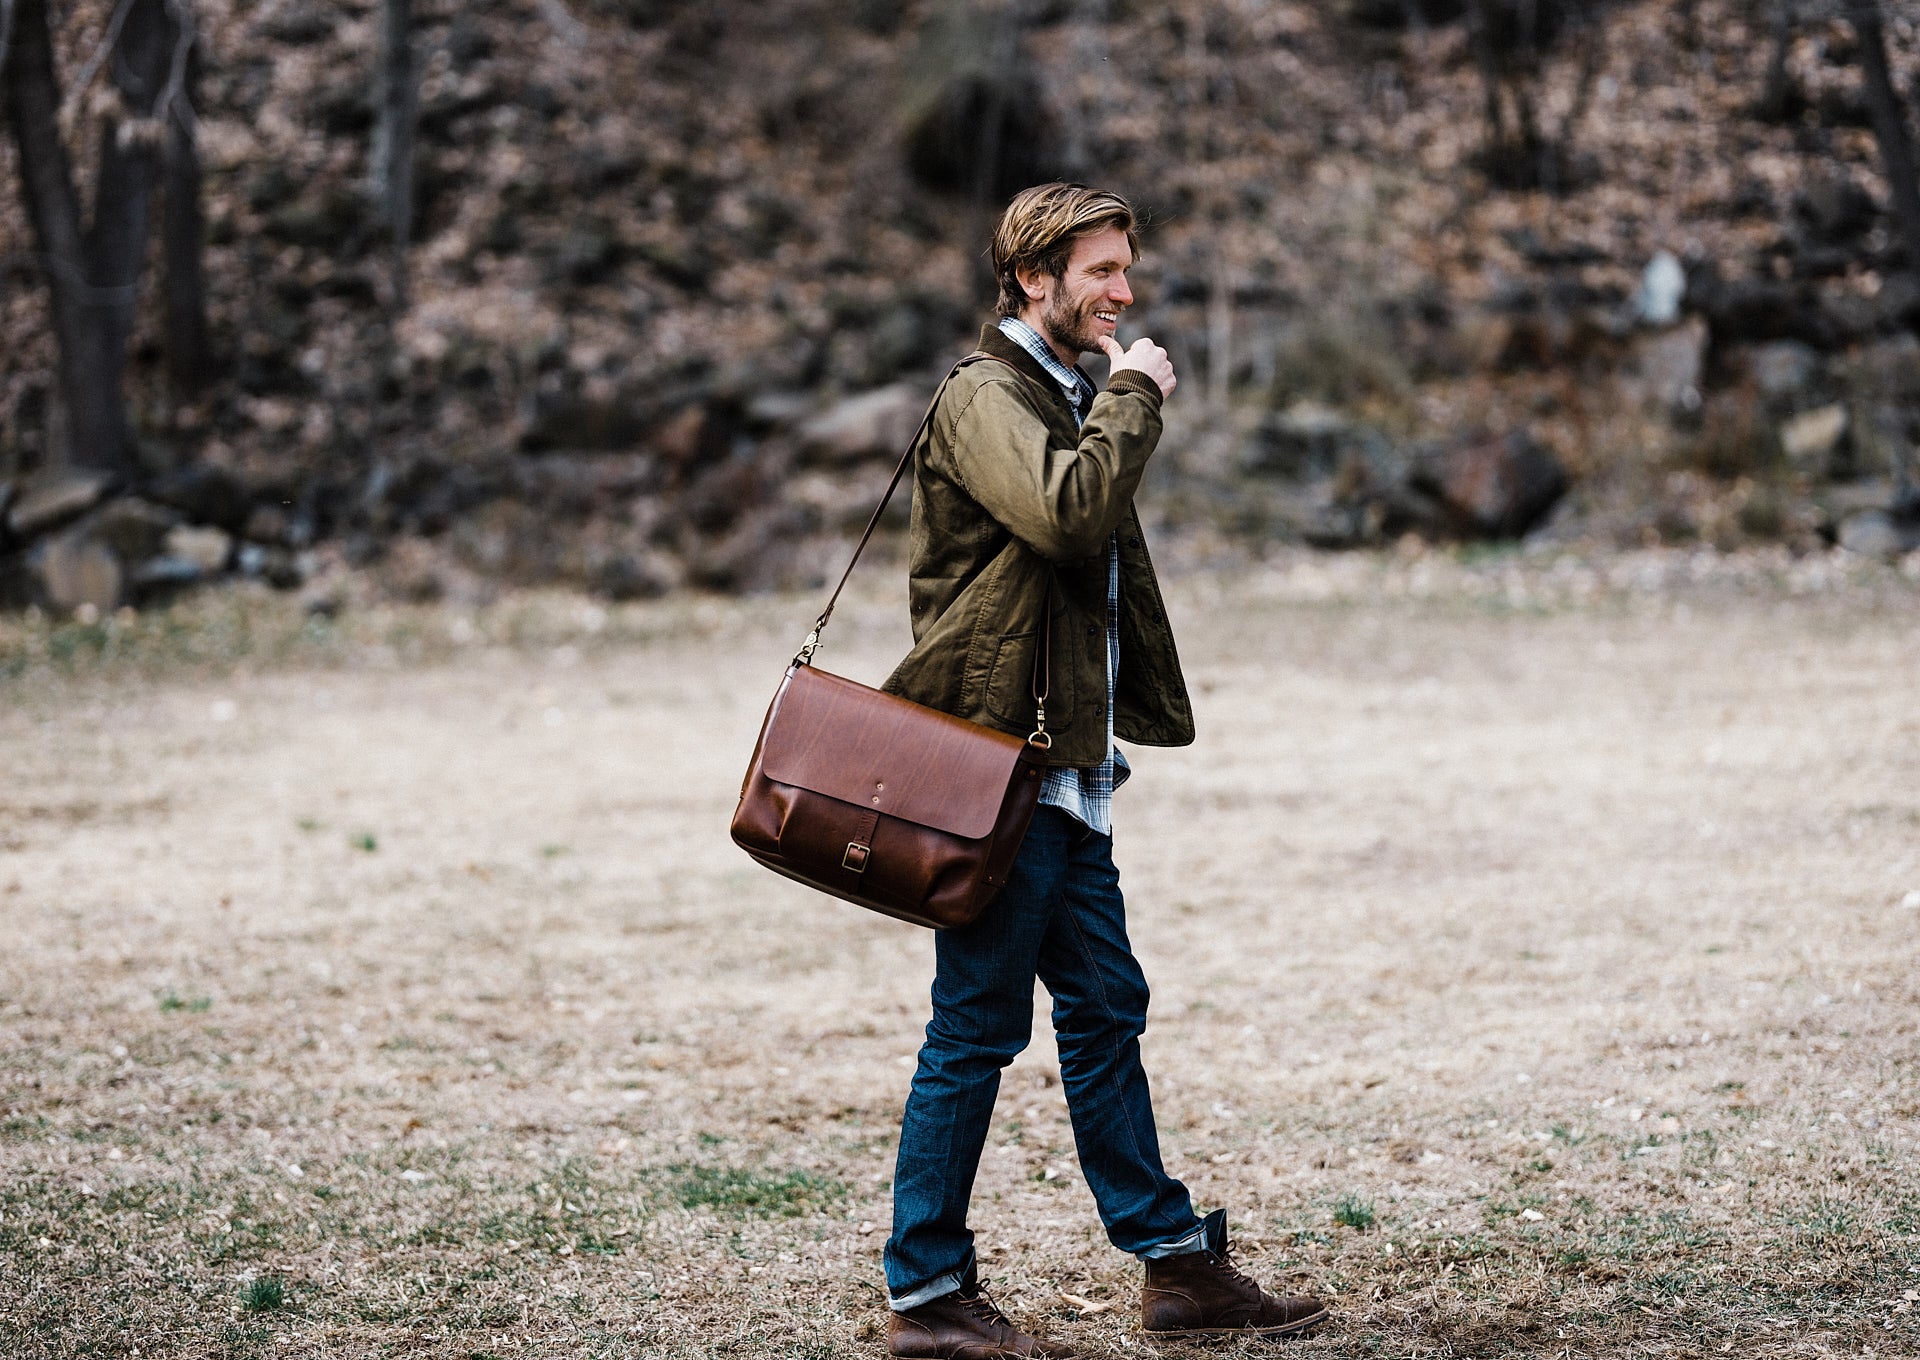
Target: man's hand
(1145, 357)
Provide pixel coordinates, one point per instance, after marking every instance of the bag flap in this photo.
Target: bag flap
(839, 738)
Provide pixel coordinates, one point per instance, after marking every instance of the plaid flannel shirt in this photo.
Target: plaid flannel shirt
(1085, 795)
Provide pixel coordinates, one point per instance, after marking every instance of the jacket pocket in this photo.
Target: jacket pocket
(1010, 684)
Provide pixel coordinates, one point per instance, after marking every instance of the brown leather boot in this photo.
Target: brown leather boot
(964, 1326)
(1201, 1295)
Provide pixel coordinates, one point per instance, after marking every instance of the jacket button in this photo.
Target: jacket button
(1092, 631)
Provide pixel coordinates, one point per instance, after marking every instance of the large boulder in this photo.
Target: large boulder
(1811, 439)
(50, 499)
(1880, 533)
(1494, 487)
(872, 424)
(1783, 369)
(134, 529)
(1668, 365)
(78, 572)
(206, 495)
(1307, 439)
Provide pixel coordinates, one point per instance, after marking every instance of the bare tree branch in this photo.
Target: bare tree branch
(96, 60)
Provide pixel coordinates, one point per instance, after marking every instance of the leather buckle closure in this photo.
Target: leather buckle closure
(856, 857)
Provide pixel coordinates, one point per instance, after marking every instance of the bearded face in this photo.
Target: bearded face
(1078, 323)
(1082, 307)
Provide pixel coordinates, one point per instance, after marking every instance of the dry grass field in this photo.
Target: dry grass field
(1536, 953)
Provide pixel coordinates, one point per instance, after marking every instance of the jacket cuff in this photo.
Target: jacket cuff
(1133, 380)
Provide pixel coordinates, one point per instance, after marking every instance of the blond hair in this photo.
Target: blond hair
(1040, 226)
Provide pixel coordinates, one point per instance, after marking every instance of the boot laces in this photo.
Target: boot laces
(1223, 1263)
(982, 1307)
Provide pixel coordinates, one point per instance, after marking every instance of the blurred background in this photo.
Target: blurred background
(634, 295)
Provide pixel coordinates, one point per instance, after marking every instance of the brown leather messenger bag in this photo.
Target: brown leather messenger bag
(891, 805)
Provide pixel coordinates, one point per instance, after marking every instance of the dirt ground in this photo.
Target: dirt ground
(1536, 955)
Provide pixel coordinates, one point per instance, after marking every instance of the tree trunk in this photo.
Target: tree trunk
(1219, 336)
(1776, 95)
(398, 98)
(98, 436)
(130, 141)
(1889, 125)
(189, 345)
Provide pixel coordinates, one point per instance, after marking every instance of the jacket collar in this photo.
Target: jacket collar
(995, 344)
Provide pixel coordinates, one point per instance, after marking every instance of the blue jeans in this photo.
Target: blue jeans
(1060, 918)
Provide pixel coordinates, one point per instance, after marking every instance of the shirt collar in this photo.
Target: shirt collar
(1074, 383)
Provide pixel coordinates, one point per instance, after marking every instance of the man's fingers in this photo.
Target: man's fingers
(1143, 357)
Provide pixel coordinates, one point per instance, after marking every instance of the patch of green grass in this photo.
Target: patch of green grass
(760, 1194)
(171, 1000)
(1353, 1212)
(263, 1294)
(1480, 554)
(23, 1127)
(364, 840)
(1823, 1219)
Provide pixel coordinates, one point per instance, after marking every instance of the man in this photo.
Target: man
(1024, 534)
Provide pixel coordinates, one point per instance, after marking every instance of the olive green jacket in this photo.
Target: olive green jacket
(1010, 497)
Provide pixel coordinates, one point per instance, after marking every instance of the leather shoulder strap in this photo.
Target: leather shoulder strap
(873, 521)
(1042, 681)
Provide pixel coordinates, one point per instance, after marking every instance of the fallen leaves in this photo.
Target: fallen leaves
(1084, 1306)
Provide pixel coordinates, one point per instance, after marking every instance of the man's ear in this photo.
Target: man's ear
(1033, 282)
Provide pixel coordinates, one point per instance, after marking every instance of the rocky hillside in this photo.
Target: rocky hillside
(685, 273)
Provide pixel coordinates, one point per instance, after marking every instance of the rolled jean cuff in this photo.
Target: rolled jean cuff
(1185, 1245)
(937, 1288)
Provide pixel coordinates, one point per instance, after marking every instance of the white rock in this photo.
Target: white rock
(1663, 285)
(1875, 533)
(1812, 436)
(207, 548)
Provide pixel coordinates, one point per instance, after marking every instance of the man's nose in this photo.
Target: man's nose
(1119, 292)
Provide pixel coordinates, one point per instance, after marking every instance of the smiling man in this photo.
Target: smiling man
(1025, 539)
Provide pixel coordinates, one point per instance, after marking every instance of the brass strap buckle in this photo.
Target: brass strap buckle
(856, 857)
(1038, 737)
